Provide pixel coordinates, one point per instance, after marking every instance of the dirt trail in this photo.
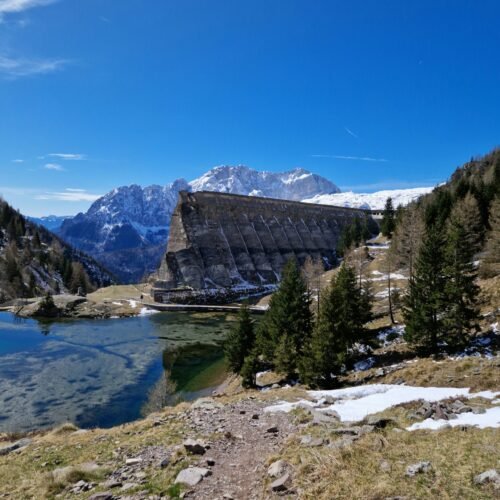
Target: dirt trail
(246, 438)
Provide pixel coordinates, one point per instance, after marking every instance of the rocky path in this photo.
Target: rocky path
(243, 439)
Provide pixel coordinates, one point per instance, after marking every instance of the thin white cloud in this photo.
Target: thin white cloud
(350, 132)
(14, 6)
(70, 195)
(17, 160)
(19, 67)
(356, 158)
(68, 156)
(53, 166)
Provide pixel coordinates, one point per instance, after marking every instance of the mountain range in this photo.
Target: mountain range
(127, 229)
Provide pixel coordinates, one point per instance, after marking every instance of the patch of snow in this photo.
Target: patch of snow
(117, 304)
(490, 418)
(147, 312)
(133, 303)
(355, 403)
(373, 201)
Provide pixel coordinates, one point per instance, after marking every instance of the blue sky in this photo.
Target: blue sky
(371, 94)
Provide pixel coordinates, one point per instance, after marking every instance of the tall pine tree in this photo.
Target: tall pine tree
(426, 299)
(388, 223)
(344, 311)
(240, 340)
(287, 324)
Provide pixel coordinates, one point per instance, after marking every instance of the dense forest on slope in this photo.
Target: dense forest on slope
(34, 262)
(471, 194)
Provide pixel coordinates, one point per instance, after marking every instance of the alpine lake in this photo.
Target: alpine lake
(101, 373)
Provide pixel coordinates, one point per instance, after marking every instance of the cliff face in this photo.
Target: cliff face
(225, 240)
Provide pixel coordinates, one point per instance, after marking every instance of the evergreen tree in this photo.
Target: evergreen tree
(461, 291)
(287, 324)
(407, 238)
(426, 299)
(240, 341)
(491, 263)
(388, 223)
(249, 371)
(344, 311)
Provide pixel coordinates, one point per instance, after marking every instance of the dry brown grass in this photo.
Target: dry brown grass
(355, 473)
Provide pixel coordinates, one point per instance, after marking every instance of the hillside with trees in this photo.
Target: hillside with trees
(34, 262)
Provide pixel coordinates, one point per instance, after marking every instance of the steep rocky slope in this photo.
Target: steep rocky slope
(33, 261)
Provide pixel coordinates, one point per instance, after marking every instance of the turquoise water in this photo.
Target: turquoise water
(103, 372)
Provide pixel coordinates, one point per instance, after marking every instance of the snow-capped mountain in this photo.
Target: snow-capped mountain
(127, 229)
(295, 185)
(371, 201)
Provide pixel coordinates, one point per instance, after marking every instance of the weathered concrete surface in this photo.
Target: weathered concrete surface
(223, 240)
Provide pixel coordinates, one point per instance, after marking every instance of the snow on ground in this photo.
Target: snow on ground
(117, 304)
(490, 418)
(373, 201)
(147, 312)
(355, 403)
(133, 303)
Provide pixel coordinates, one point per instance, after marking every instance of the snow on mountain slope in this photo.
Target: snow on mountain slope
(372, 201)
(295, 185)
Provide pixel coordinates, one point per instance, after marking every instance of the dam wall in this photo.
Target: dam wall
(225, 240)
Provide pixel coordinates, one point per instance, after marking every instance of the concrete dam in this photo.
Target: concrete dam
(220, 240)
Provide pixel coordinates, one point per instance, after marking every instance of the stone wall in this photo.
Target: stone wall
(224, 240)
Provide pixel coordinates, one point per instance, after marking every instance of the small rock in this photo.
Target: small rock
(210, 462)
(418, 468)
(255, 416)
(129, 486)
(489, 476)
(133, 461)
(112, 483)
(164, 463)
(379, 422)
(311, 441)
(18, 445)
(272, 430)
(191, 476)
(194, 447)
(281, 484)
(103, 495)
(207, 404)
(476, 410)
(440, 413)
(277, 469)
(464, 409)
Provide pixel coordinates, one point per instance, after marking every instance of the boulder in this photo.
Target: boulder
(191, 476)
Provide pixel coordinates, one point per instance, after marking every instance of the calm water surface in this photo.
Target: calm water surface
(103, 372)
